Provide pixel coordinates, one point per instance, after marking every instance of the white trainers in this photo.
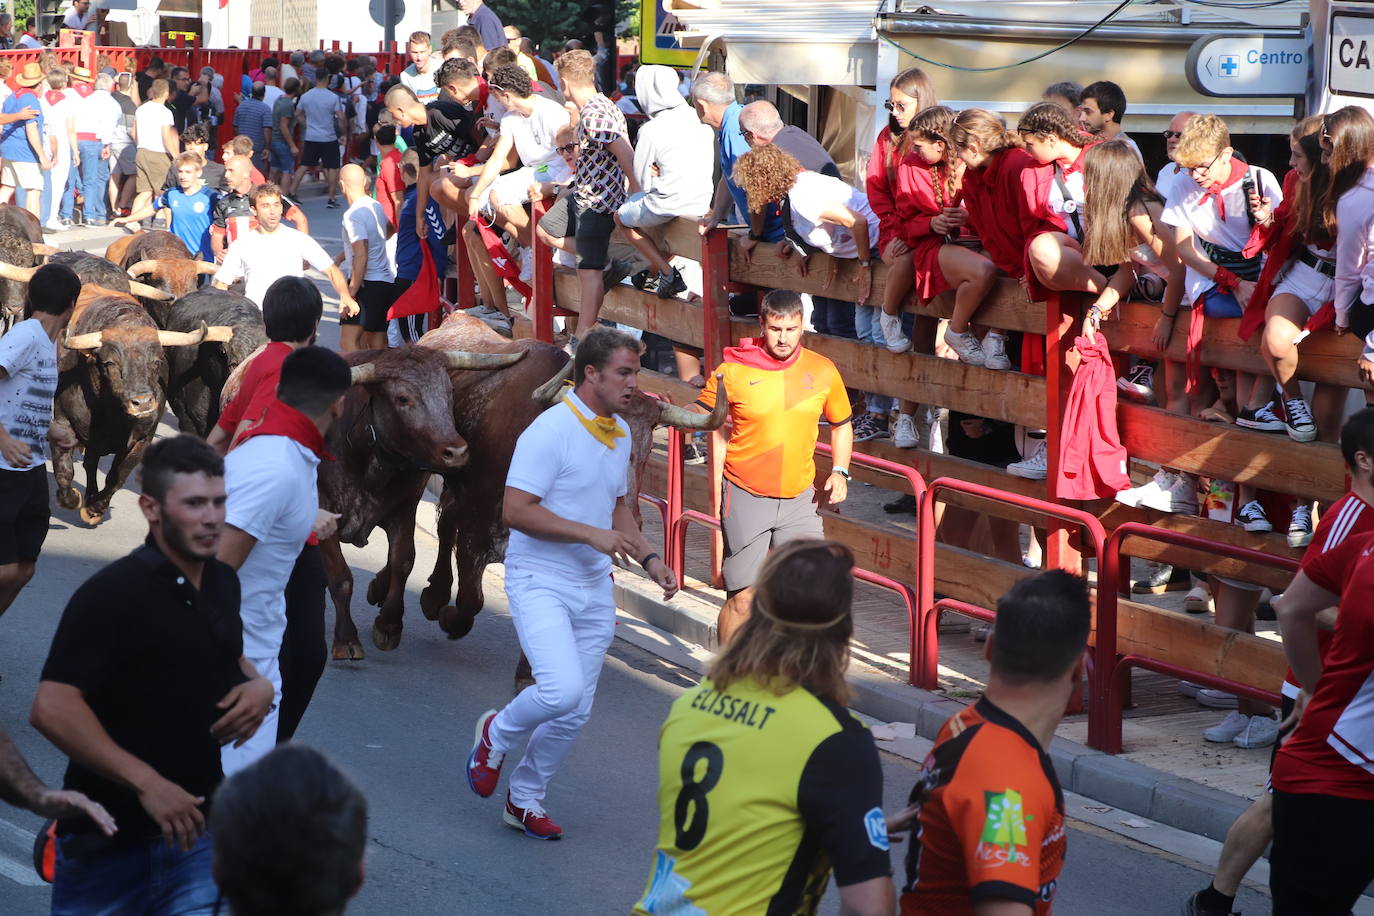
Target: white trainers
(891, 326)
(1251, 517)
(526, 265)
(1216, 699)
(967, 346)
(1260, 731)
(1198, 600)
(1167, 491)
(904, 433)
(1189, 689)
(1157, 484)
(1226, 731)
(1034, 466)
(1300, 527)
(995, 352)
(1298, 422)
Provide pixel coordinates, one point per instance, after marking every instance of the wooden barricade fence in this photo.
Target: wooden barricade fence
(1144, 634)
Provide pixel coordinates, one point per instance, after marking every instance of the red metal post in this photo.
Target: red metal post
(541, 301)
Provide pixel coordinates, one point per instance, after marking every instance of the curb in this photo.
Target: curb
(1122, 784)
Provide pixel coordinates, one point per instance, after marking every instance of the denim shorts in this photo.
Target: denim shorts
(280, 156)
(133, 876)
(1216, 303)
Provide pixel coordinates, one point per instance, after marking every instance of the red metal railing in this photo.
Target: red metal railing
(1112, 672)
(926, 668)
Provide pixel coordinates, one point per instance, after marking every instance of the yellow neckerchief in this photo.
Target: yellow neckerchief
(604, 429)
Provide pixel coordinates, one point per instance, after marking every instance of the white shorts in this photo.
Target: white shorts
(1307, 283)
(26, 175)
(513, 188)
(635, 214)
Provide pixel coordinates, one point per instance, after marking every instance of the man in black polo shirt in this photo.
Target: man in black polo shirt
(144, 681)
(442, 129)
(233, 214)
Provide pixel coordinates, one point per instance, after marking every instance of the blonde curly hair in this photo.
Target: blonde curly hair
(765, 174)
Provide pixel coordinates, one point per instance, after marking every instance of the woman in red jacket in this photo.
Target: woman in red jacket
(1051, 211)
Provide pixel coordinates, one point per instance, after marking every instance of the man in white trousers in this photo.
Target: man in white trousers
(272, 508)
(567, 510)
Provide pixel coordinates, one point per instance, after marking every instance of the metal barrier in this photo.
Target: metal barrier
(1109, 684)
(926, 667)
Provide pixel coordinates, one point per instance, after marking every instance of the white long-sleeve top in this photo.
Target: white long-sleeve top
(1355, 252)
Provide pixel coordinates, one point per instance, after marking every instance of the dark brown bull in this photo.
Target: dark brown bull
(111, 388)
(21, 246)
(491, 411)
(395, 431)
(197, 376)
(164, 262)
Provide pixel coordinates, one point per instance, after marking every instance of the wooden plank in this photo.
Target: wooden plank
(1197, 643)
(1011, 396)
(676, 319)
(968, 576)
(931, 465)
(668, 386)
(1323, 357)
(1312, 470)
(1268, 575)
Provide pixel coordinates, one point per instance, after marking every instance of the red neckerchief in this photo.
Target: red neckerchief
(749, 353)
(282, 420)
(1076, 165)
(1238, 170)
(54, 96)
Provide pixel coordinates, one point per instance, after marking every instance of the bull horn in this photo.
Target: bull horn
(547, 394)
(364, 373)
(462, 359)
(682, 418)
(183, 338)
(15, 272)
(144, 291)
(141, 268)
(219, 333)
(206, 268)
(89, 341)
(44, 251)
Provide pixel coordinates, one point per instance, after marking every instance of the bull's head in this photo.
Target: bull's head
(22, 275)
(177, 276)
(410, 411)
(129, 362)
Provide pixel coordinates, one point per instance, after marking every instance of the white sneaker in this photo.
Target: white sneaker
(995, 352)
(1180, 497)
(891, 326)
(1157, 484)
(1261, 731)
(1217, 699)
(1251, 517)
(1198, 600)
(904, 433)
(967, 346)
(1189, 689)
(1225, 731)
(1300, 527)
(526, 265)
(1034, 466)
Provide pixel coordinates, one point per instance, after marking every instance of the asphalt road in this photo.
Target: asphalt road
(401, 724)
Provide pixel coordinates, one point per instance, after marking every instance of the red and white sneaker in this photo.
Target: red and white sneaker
(532, 820)
(484, 764)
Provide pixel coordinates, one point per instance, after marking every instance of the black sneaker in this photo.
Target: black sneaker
(1160, 578)
(693, 453)
(332, 203)
(646, 280)
(869, 426)
(902, 505)
(1263, 419)
(669, 285)
(1194, 906)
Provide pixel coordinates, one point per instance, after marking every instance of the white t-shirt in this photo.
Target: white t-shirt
(27, 391)
(575, 477)
(815, 193)
(270, 94)
(1074, 182)
(273, 497)
(261, 259)
(534, 136)
(74, 20)
(149, 120)
(422, 84)
(1184, 207)
(319, 108)
(366, 221)
(55, 119)
(98, 114)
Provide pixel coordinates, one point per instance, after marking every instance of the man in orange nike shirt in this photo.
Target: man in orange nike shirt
(777, 392)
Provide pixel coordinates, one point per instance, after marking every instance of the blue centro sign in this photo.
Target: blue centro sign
(1249, 65)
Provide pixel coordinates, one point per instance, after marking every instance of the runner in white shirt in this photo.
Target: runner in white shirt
(59, 114)
(272, 251)
(272, 508)
(565, 505)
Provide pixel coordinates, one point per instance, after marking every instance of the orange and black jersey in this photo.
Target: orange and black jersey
(991, 819)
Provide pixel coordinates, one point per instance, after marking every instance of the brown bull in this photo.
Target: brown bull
(396, 430)
(491, 411)
(111, 389)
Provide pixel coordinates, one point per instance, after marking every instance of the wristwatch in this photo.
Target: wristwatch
(842, 472)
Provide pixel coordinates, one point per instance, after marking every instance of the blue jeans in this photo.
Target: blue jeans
(95, 175)
(1219, 304)
(143, 877)
(866, 324)
(834, 317)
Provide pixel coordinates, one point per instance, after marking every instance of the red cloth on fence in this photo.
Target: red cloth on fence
(1092, 462)
(423, 295)
(506, 267)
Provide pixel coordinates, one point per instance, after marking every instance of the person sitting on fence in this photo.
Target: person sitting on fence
(673, 164)
(823, 214)
(443, 130)
(1348, 146)
(778, 391)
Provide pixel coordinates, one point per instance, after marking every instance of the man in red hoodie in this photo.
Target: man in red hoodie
(778, 392)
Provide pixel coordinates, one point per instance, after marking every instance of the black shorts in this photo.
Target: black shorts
(593, 231)
(1286, 704)
(375, 299)
(1320, 862)
(23, 514)
(325, 153)
(1361, 317)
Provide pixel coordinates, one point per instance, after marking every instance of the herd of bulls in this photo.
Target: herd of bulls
(453, 404)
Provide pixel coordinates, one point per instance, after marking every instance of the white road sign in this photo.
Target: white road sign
(1249, 65)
